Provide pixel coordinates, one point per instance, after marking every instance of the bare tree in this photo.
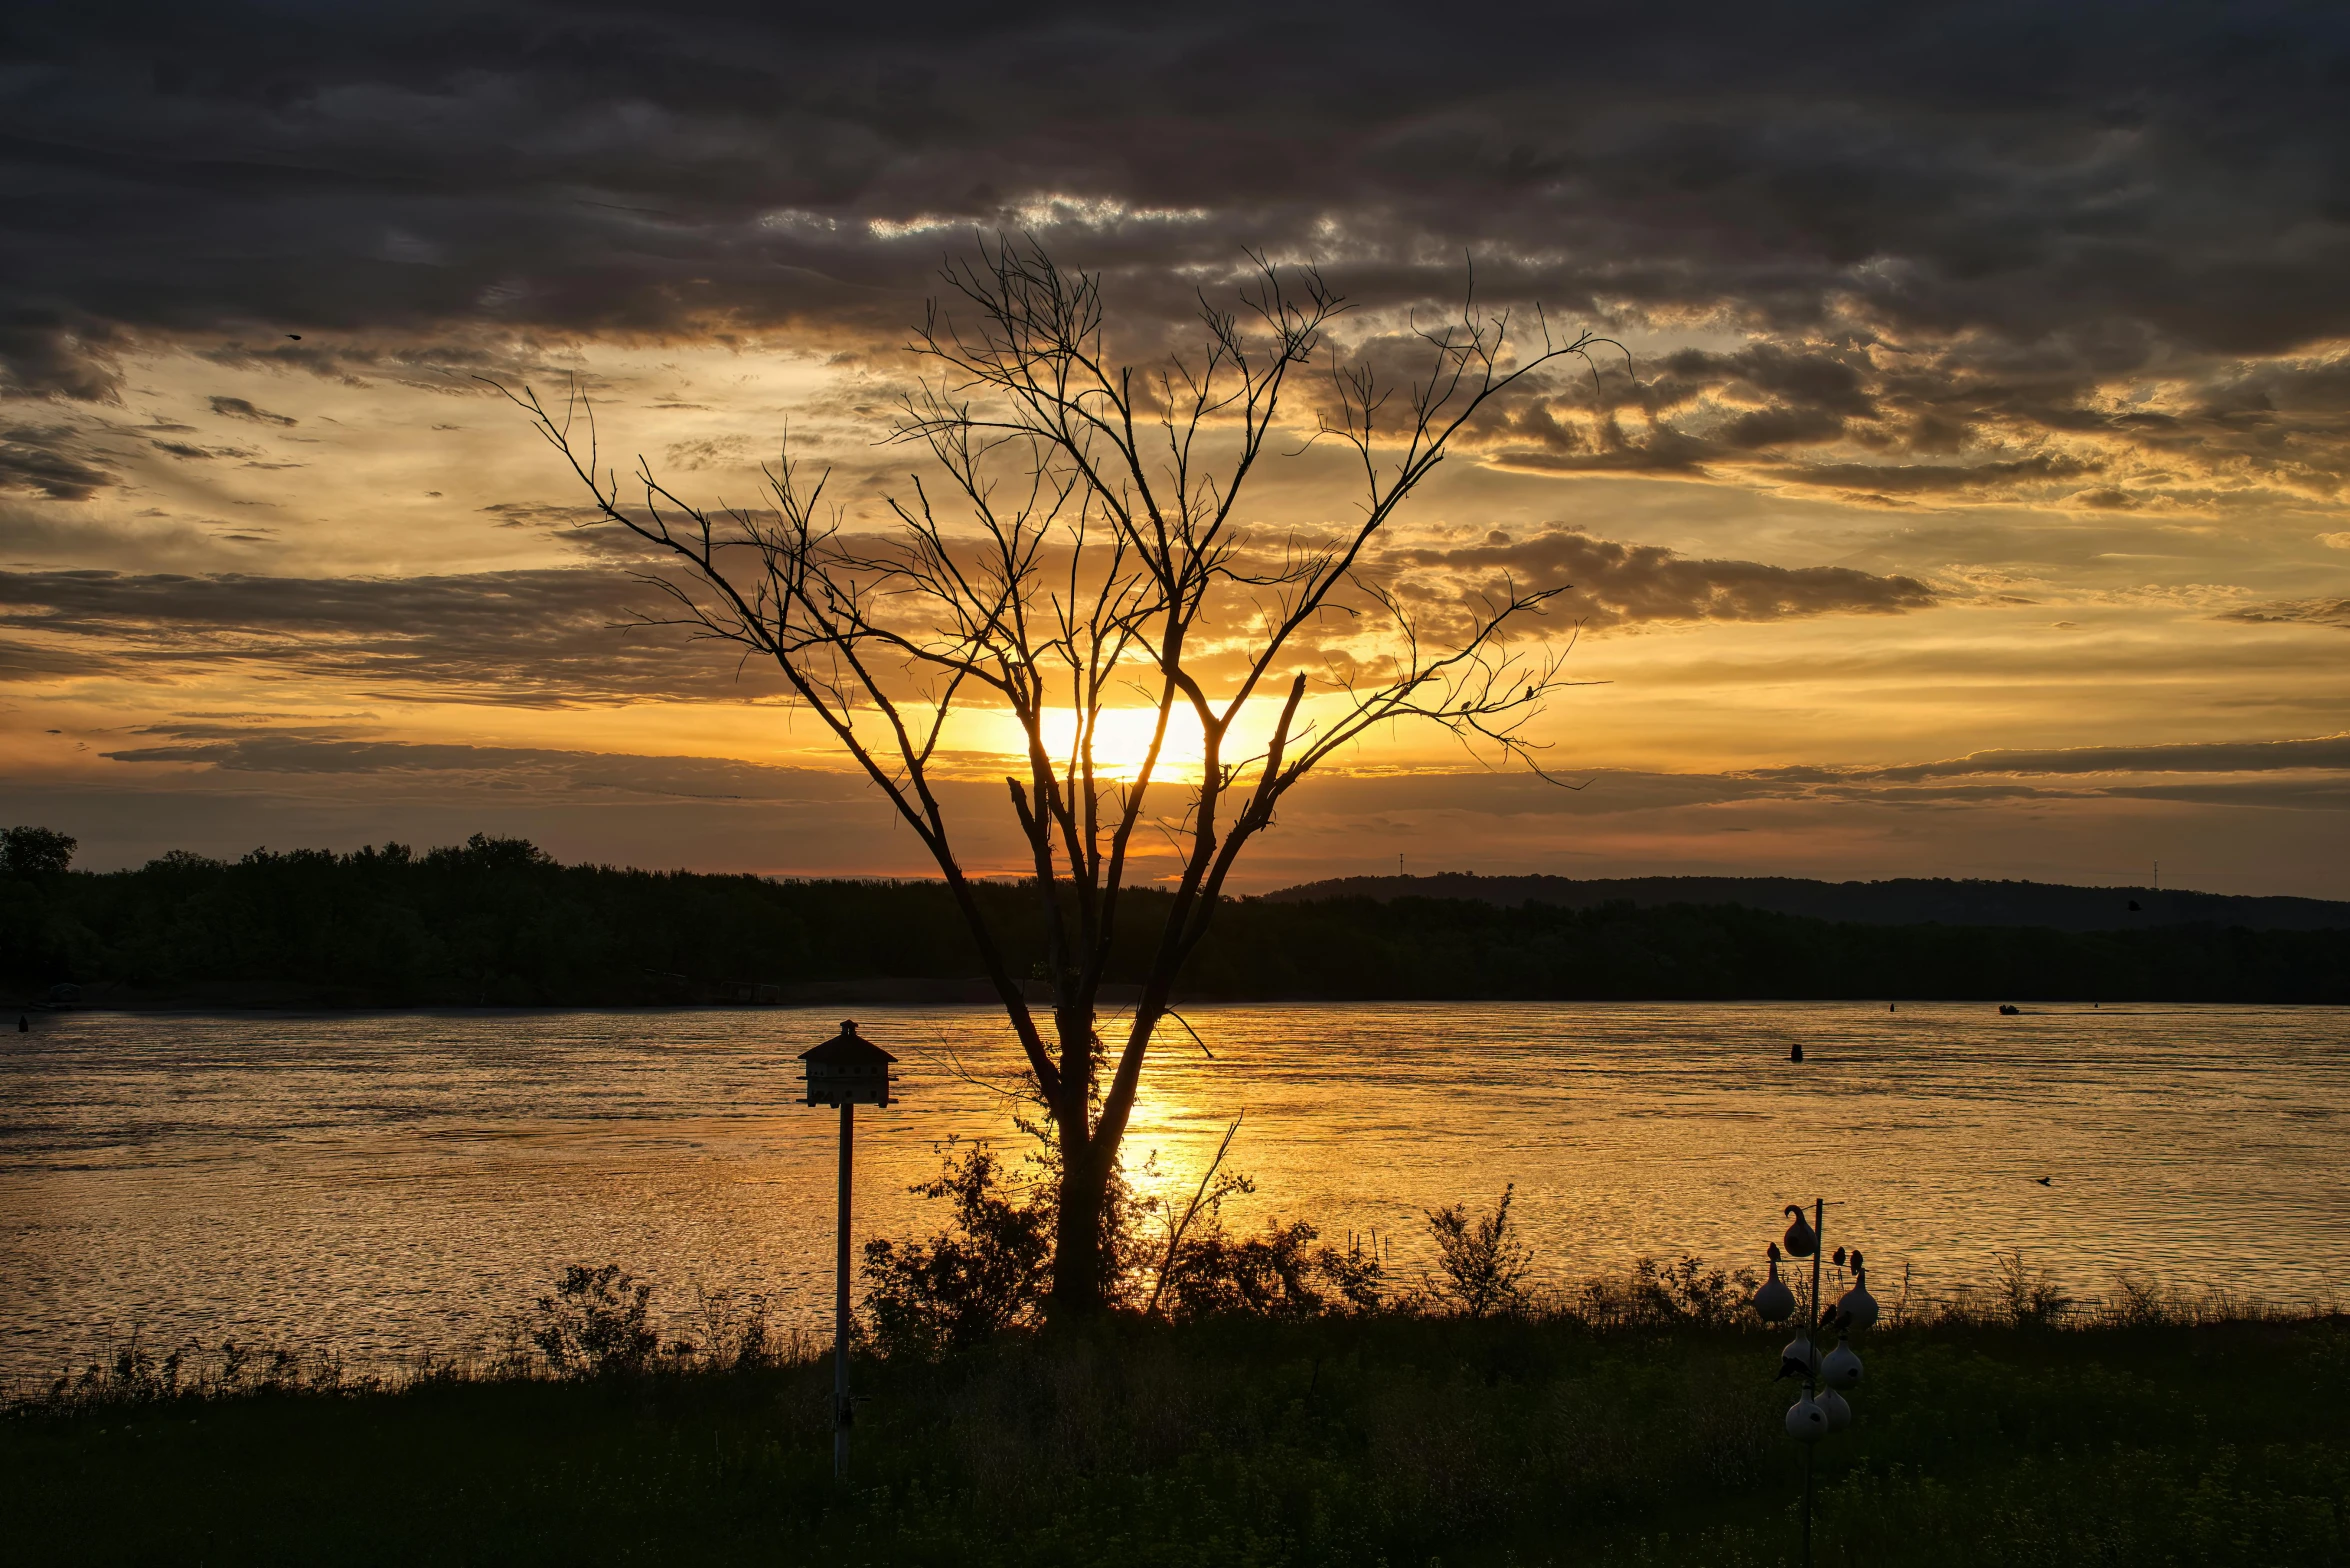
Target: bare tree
(1093, 557)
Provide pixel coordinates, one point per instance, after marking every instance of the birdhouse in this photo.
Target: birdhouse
(1774, 1302)
(1835, 1410)
(847, 1070)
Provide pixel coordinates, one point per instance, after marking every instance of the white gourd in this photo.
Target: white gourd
(1856, 1308)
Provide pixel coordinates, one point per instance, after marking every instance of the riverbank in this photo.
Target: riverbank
(1337, 1440)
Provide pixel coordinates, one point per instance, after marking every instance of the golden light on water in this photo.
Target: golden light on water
(400, 1182)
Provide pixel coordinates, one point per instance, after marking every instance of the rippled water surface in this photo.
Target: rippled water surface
(391, 1183)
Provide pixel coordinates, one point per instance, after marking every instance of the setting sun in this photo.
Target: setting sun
(1122, 740)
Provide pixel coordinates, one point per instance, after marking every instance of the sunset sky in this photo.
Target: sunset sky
(1967, 500)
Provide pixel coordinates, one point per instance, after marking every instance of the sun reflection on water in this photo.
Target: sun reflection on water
(391, 1183)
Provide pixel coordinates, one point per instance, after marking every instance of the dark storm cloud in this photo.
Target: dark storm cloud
(2327, 752)
(44, 459)
(1961, 229)
(240, 408)
(42, 350)
(25, 661)
(234, 749)
(535, 638)
(1610, 584)
(2305, 612)
(557, 636)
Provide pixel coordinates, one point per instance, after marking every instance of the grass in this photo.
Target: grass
(1346, 1440)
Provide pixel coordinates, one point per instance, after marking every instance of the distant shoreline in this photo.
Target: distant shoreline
(850, 995)
(498, 923)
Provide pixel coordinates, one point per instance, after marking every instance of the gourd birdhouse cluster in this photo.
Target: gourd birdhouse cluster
(1821, 1408)
(847, 1070)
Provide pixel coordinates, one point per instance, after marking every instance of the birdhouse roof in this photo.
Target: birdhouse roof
(847, 1049)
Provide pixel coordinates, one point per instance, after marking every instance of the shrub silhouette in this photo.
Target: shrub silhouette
(985, 1274)
(1484, 1264)
(595, 1321)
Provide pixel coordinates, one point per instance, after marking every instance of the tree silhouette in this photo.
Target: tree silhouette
(35, 852)
(1078, 546)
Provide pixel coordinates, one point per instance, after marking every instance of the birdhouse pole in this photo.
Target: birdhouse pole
(841, 1409)
(845, 1071)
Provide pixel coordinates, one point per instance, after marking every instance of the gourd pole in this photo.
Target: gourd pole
(1819, 1231)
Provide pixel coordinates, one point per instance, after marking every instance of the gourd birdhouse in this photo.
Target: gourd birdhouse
(847, 1070)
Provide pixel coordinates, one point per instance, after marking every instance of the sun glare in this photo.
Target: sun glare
(1122, 739)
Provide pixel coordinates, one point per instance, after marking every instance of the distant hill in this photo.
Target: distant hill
(1900, 902)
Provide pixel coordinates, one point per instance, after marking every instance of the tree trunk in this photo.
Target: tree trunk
(1083, 1254)
(1079, 1286)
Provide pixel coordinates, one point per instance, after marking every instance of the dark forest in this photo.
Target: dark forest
(498, 922)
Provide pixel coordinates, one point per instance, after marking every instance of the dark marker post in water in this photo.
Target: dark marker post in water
(846, 1071)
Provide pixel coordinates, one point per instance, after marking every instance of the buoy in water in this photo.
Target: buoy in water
(1795, 1052)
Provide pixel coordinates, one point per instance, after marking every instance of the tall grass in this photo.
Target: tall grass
(601, 1321)
(1287, 1404)
(1349, 1439)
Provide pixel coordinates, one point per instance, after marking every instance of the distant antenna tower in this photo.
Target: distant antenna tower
(2158, 876)
(1399, 863)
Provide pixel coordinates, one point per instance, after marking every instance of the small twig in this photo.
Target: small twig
(1190, 1212)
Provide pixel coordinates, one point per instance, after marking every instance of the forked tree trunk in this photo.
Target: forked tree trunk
(1090, 1137)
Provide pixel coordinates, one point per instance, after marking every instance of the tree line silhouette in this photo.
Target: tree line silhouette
(498, 921)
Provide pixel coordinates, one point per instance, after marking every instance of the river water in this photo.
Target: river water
(391, 1183)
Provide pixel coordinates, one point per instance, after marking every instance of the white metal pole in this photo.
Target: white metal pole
(840, 1302)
